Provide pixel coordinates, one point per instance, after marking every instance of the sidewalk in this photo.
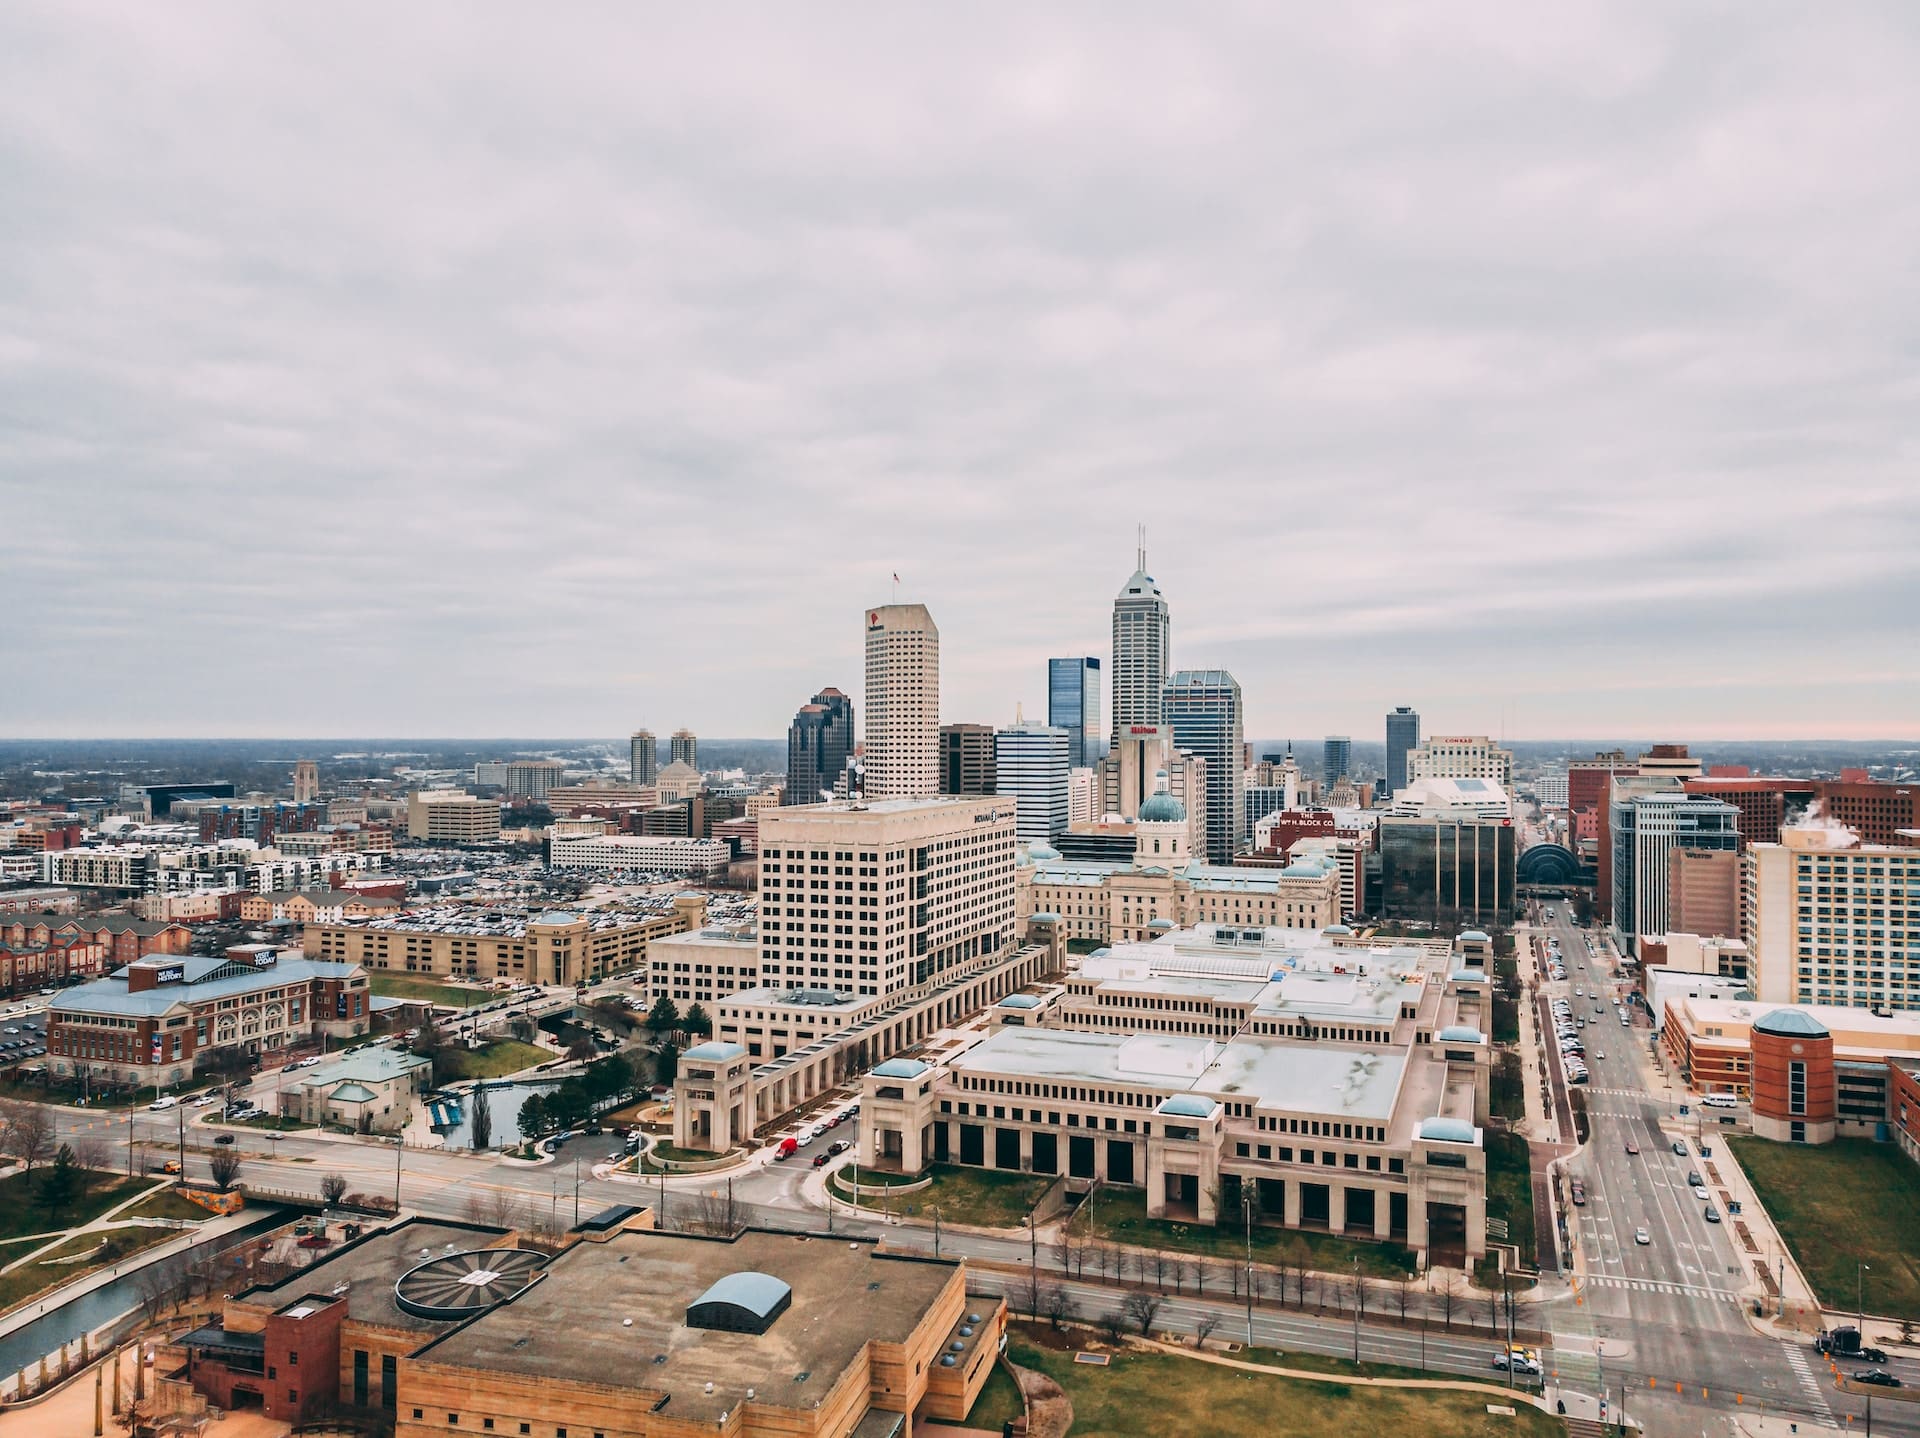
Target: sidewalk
(98, 1224)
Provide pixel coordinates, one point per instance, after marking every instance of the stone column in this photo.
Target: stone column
(1382, 1213)
(1293, 1203)
(1336, 1208)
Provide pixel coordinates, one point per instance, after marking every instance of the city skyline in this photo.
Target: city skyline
(1589, 418)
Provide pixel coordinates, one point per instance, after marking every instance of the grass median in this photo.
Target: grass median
(1155, 1393)
(1836, 1204)
(982, 1197)
(1119, 1215)
(421, 990)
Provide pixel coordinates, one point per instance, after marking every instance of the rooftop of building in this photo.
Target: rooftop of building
(1290, 1074)
(365, 1270)
(370, 1064)
(1857, 1030)
(615, 1313)
(202, 980)
(840, 808)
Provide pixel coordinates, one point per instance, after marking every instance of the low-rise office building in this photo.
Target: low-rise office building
(1336, 1085)
(370, 1090)
(680, 856)
(119, 938)
(557, 947)
(1811, 1072)
(440, 1327)
(154, 1021)
(704, 966)
(452, 816)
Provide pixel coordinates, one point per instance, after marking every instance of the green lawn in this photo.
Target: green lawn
(423, 988)
(1142, 1394)
(494, 1060)
(20, 1210)
(1506, 1021)
(985, 1198)
(1510, 1188)
(1120, 1214)
(1325, 1363)
(998, 1402)
(166, 1204)
(1839, 1203)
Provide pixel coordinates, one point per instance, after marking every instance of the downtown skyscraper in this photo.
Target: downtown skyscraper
(1403, 737)
(642, 763)
(1073, 704)
(1142, 649)
(1203, 708)
(901, 759)
(819, 743)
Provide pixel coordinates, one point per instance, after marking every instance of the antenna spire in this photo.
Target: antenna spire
(1141, 549)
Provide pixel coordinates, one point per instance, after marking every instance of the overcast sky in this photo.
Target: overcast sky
(471, 371)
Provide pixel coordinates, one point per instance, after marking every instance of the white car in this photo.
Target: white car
(160, 1105)
(1642, 1237)
(1700, 1192)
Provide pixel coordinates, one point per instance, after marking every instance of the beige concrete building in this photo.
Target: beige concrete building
(1461, 756)
(704, 966)
(337, 839)
(1338, 1085)
(551, 948)
(875, 897)
(451, 816)
(1130, 773)
(684, 857)
(1703, 892)
(571, 798)
(1831, 921)
(901, 753)
(678, 781)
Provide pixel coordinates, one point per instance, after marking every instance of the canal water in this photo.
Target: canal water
(503, 1105)
(28, 1345)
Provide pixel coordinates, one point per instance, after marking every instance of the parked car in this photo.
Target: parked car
(1713, 1215)
(1579, 1194)
(1679, 1147)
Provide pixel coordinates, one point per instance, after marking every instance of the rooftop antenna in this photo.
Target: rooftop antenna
(1141, 548)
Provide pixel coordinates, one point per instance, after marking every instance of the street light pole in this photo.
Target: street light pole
(1246, 1209)
(399, 1149)
(1356, 1309)
(1860, 1297)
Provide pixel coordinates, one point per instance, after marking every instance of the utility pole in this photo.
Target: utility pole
(1860, 1298)
(181, 1113)
(936, 1231)
(399, 1150)
(1356, 1309)
(576, 1191)
(1246, 1209)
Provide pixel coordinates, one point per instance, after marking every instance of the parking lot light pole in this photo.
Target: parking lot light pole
(1860, 1298)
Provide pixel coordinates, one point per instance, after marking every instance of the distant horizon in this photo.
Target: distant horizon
(552, 740)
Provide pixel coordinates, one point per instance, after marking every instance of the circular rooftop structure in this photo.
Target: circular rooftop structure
(1042, 851)
(456, 1286)
(557, 918)
(1790, 1024)
(1163, 808)
(1445, 1130)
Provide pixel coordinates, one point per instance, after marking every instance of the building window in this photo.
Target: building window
(1796, 1087)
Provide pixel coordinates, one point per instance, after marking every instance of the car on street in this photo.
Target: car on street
(161, 1105)
(1713, 1215)
(1679, 1147)
(172, 1165)
(1700, 1192)
(1579, 1194)
(1599, 1053)
(1518, 1360)
(223, 1138)
(820, 1159)
(1632, 1147)
(839, 1145)
(1642, 1237)
(1875, 1378)
(786, 1149)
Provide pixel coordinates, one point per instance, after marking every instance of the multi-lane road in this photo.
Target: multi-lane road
(1647, 1317)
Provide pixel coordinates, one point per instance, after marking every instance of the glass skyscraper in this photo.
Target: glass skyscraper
(1073, 704)
(1203, 708)
(1337, 759)
(1403, 736)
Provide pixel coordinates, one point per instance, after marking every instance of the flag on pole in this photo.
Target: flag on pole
(896, 576)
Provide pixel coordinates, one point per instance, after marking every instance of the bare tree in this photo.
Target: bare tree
(1182, 1271)
(1449, 1293)
(333, 1188)
(1141, 1309)
(1359, 1286)
(1199, 1276)
(93, 1158)
(26, 1132)
(1233, 1277)
(1203, 1330)
(1159, 1259)
(715, 1211)
(1295, 1261)
(1406, 1284)
(1113, 1323)
(224, 1168)
(1058, 1305)
(160, 1285)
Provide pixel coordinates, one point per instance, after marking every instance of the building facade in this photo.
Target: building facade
(680, 856)
(966, 759)
(1703, 892)
(819, 743)
(1031, 765)
(683, 747)
(1446, 871)
(901, 755)
(1202, 707)
(1336, 759)
(1403, 736)
(875, 897)
(1142, 651)
(553, 948)
(1461, 756)
(1646, 829)
(642, 758)
(1073, 704)
(450, 816)
(1833, 922)
(157, 1020)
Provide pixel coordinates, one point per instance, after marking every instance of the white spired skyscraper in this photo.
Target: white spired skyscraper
(1141, 649)
(902, 755)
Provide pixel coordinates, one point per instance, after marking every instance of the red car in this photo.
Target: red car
(1632, 1147)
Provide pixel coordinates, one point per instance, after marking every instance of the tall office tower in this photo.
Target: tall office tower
(902, 752)
(642, 764)
(819, 743)
(1336, 762)
(1073, 704)
(306, 781)
(966, 759)
(1828, 920)
(1141, 650)
(1031, 766)
(954, 904)
(684, 748)
(1203, 708)
(1646, 828)
(1403, 733)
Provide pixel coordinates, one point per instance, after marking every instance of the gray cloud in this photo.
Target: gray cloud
(466, 370)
